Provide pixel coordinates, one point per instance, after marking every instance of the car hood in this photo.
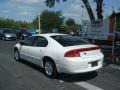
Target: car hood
(10, 34)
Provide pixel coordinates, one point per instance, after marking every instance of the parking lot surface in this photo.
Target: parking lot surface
(26, 76)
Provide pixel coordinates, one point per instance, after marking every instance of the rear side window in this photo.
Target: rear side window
(68, 40)
(40, 42)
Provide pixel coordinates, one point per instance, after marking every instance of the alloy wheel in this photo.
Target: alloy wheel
(48, 68)
(16, 55)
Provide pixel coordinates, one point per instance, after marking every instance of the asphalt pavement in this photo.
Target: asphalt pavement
(26, 76)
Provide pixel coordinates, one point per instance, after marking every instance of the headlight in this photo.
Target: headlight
(7, 35)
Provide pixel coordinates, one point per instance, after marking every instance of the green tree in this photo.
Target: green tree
(10, 23)
(35, 23)
(69, 22)
(49, 20)
(72, 25)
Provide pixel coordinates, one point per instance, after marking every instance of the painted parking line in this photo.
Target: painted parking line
(114, 66)
(88, 86)
(85, 85)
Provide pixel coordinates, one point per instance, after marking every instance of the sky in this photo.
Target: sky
(27, 10)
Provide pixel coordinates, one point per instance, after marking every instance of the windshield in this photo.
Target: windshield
(24, 31)
(68, 40)
(7, 31)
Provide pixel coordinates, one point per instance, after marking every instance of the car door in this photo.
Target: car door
(39, 47)
(25, 48)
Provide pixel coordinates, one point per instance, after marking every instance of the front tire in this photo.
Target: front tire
(50, 69)
(17, 55)
(3, 38)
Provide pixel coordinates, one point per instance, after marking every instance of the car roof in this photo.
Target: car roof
(49, 34)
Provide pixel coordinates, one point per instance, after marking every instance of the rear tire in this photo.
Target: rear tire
(50, 69)
(17, 55)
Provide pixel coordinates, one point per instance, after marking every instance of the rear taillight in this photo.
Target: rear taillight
(76, 52)
(72, 53)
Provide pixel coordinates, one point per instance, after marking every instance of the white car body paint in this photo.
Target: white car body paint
(56, 51)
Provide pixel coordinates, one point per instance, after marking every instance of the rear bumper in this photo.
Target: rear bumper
(78, 65)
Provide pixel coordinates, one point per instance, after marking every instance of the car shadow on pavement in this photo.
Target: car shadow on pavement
(78, 77)
(33, 66)
(63, 76)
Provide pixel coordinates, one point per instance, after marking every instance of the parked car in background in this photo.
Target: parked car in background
(32, 31)
(62, 31)
(59, 53)
(23, 34)
(7, 34)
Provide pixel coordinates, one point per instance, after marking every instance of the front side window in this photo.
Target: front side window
(40, 42)
(68, 40)
(29, 41)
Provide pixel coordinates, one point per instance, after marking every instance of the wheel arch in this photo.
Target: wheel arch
(54, 66)
(15, 48)
(14, 51)
(47, 58)
(50, 59)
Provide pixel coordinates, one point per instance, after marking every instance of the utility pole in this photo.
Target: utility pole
(113, 43)
(39, 16)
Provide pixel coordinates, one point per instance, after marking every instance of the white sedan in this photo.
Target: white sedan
(59, 53)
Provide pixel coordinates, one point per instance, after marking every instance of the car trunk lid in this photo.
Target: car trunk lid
(83, 51)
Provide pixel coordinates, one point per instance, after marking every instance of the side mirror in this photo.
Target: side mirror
(21, 43)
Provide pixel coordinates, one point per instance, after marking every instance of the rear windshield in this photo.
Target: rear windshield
(68, 40)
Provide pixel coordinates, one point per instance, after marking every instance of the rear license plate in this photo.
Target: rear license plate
(95, 63)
